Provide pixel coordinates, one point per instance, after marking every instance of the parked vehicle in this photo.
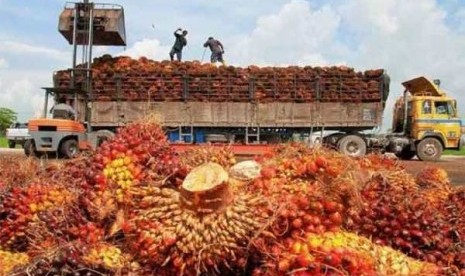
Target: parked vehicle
(17, 134)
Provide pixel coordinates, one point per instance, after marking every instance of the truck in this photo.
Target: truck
(17, 134)
(248, 108)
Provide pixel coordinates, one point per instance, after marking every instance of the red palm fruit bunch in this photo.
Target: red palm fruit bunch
(138, 153)
(309, 214)
(454, 209)
(202, 228)
(53, 227)
(407, 222)
(435, 185)
(389, 184)
(203, 154)
(22, 206)
(299, 161)
(379, 162)
(342, 253)
(65, 259)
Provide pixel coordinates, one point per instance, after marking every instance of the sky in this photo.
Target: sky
(407, 38)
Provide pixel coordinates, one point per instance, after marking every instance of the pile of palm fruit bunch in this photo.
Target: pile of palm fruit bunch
(135, 207)
(144, 79)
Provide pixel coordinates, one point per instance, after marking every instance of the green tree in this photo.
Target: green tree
(7, 117)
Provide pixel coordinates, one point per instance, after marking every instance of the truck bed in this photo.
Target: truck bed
(213, 114)
(201, 95)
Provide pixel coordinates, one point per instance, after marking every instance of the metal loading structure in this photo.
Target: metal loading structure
(84, 25)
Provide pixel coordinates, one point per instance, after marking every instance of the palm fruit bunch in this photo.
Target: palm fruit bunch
(379, 162)
(64, 258)
(435, 184)
(105, 256)
(396, 213)
(138, 153)
(17, 171)
(454, 208)
(23, 206)
(310, 188)
(342, 253)
(203, 154)
(10, 261)
(201, 228)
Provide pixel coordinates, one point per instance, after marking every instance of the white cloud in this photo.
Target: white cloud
(150, 48)
(21, 92)
(294, 35)
(3, 63)
(18, 48)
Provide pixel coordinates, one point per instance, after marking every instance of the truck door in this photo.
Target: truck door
(447, 122)
(420, 119)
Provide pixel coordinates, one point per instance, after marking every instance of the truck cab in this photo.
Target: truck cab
(431, 123)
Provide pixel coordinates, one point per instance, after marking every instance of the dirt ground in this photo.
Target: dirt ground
(454, 166)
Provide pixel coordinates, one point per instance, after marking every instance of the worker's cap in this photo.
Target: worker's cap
(210, 38)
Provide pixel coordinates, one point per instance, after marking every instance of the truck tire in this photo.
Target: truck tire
(406, 154)
(352, 145)
(429, 149)
(30, 148)
(104, 135)
(11, 144)
(69, 148)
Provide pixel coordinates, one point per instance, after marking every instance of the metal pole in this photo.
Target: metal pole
(89, 64)
(91, 35)
(76, 14)
(45, 104)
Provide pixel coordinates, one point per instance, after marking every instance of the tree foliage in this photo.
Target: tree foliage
(7, 117)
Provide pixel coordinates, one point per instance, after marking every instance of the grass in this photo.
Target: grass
(460, 152)
(3, 142)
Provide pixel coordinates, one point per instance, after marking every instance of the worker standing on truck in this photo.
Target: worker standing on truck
(62, 110)
(217, 50)
(179, 43)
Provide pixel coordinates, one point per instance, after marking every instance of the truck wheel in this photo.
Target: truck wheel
(104, 135)
(352, 145)
(69, 148)
(406, 154)
(429, 149)
(29, 148)
(11, 144)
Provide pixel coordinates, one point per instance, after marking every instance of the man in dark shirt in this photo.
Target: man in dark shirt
(217, 50)
(179, 43)
(62, 110)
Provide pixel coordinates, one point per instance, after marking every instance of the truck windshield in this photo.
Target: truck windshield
(444, 108)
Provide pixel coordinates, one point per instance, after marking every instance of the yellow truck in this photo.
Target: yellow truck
(425, 122)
